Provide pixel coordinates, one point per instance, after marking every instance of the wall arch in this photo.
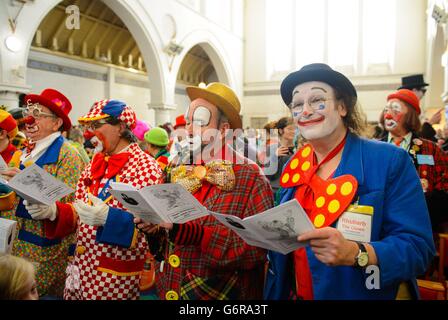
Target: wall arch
(130, 12)
(215, 51)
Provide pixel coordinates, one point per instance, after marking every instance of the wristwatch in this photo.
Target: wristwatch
(362, 258)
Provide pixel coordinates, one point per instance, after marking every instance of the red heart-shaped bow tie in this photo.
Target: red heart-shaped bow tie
(331, 197)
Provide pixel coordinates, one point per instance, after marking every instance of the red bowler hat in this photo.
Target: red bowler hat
(56, 102)
(408, 96)
(180, 121)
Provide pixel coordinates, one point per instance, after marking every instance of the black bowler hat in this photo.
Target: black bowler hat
(316, 72)
(413, 82)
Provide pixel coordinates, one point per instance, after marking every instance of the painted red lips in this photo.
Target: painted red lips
(310, 122)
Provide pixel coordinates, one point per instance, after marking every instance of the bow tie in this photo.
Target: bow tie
(29, 146)
(331, 197)
(108, 166)
(219, 173)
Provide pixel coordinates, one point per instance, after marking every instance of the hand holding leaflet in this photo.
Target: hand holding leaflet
(276, 229)
(38, 186)
(168, 202)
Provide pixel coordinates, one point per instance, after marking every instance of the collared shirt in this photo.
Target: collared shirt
(405, 143)
(40, 148)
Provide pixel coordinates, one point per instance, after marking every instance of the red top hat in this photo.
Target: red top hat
(406, 96)
(180, 121)
(56, 102)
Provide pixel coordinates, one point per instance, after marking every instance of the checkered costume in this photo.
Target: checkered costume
(107, 271)
(218, 264)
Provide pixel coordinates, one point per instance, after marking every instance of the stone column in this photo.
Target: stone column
(161, 113)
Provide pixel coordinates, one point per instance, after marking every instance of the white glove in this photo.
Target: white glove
(41, 211)
(94, 215)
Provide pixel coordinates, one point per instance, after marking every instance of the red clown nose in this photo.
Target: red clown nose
(29, 120)
(88, 135)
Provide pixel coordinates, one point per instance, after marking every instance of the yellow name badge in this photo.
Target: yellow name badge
(356, 223)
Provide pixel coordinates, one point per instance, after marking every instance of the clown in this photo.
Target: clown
(157, 141)
(400, 118)
(110, 253)
(8, 130)
(339, 176)
(46, 117)
(10, 155)
(204, 259)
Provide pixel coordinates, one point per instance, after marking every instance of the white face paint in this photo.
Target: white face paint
(393, 112)
(390, 124)
(97, 144)
(313, 108)
(188, 146)
(201, 116)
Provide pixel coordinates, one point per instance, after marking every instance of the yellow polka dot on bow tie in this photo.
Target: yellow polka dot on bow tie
(296, 178)
(306, 165)
(285, 178)
(294, 164)
(333, 206)
(346, 188)
(320, 202)
(306, 152)
(319, 220)
(331, 189)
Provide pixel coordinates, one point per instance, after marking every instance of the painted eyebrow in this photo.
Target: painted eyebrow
(319, 88)
(313, 88)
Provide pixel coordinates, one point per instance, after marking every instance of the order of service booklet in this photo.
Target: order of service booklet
(168, 202)
(8, 229)
(275, 229)
(37, 186)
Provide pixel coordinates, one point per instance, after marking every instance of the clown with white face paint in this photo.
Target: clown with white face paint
(47, 115)
(334, 175)
(400, 119)
(315, 110)
(101, 222)
(197, 265)
(393, 115)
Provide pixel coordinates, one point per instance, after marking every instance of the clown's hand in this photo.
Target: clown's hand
(93, 215)
(40, 211)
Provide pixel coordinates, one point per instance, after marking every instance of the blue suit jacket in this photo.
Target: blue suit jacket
(401, 229)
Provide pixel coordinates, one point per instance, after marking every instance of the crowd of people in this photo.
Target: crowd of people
(391, 176)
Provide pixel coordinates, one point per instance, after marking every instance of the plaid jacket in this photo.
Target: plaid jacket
(436, 175)
(434, 178)
(222, 266)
